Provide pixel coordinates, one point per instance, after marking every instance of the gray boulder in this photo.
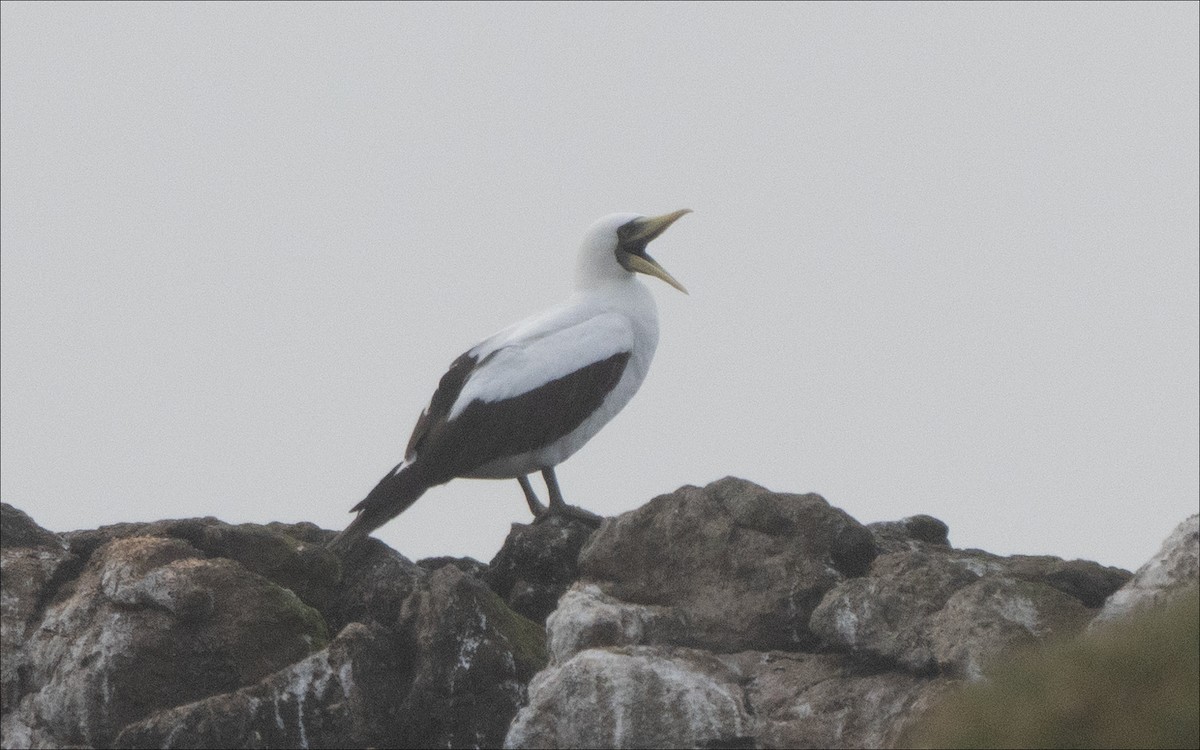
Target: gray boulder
(1175, 570)
(196, 633)
(694, 575)
(336, 697)
(887, 614)
(831, 700)
(472, 659)
(537, 563)
(588, 618)
(933, 609)
(746, 566)
(452, 675)
(150, 623)
(995, 615)
(32, 562)
(725, 616)
(910, 533)
(637, 696)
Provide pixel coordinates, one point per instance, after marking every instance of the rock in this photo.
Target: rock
(937, 609)
(719, 616)
(32, 563)
(995, 615)
(746, 565)
(639, 696)
(290, 555)
(831, 701)
(1089, 582)
(17, 529)
(196, 633)
(663, 696)
(468, 565)
(451, 675)
(887, 615)
(473, 657)
(1174, 571)
(1133, 683)
(376, 583)
(338, 697)
(151, 624)
(537, 563)
(588, 618)
(910, 533)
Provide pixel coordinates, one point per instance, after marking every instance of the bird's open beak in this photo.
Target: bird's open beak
(647, 229)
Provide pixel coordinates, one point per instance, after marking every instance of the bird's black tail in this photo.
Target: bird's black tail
(391, 497)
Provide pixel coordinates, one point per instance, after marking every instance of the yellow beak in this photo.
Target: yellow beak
(647, 229)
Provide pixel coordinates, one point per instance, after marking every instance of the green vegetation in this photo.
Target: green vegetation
(1133, 684)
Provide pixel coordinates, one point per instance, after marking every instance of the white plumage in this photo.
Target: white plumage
(529, 396)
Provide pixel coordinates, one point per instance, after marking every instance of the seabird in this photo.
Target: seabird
(526, 398)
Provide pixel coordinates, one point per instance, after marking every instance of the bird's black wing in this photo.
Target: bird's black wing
(486, 431)
(443, 399)
(441, 448)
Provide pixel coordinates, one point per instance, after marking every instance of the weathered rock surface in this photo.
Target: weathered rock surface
(32, 559)
(151, 624)
(452, 677)
(328, 699)
(936, 609)
(832, 700)
(1175, 570)
(909, 533)
(196, 633)
(634, 696)
(830, 634)
(588, 618)
(537, 563)
(721, 616)
(747, 566)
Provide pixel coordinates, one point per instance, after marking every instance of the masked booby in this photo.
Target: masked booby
(526, 398)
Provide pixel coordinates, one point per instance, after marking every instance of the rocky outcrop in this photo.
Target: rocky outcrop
(33, 561)
(537, 563)
(717, 616)
(196, 633)
(746, 566)
(1133, 682)
(784, 621)
(635, 697)
(940, 611)
(1173, 572)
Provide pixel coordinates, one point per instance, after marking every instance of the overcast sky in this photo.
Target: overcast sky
(943, 257)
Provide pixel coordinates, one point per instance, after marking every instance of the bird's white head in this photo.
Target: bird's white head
(614, 248)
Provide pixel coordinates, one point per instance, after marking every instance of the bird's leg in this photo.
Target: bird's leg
(559, 507)
(556, 499)
(535, 505)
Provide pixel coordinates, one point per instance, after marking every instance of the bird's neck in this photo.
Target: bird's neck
(628, 295)
(615, 287)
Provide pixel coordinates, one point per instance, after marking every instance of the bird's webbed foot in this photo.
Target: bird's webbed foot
(558, 506)
(572, 513)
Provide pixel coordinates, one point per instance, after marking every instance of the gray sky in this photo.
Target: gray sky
(943, 260)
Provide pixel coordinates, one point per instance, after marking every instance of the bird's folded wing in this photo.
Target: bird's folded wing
(520, 396)
(521, 366)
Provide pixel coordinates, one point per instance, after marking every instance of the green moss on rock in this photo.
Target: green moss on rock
(288, 607)
(527, 638)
